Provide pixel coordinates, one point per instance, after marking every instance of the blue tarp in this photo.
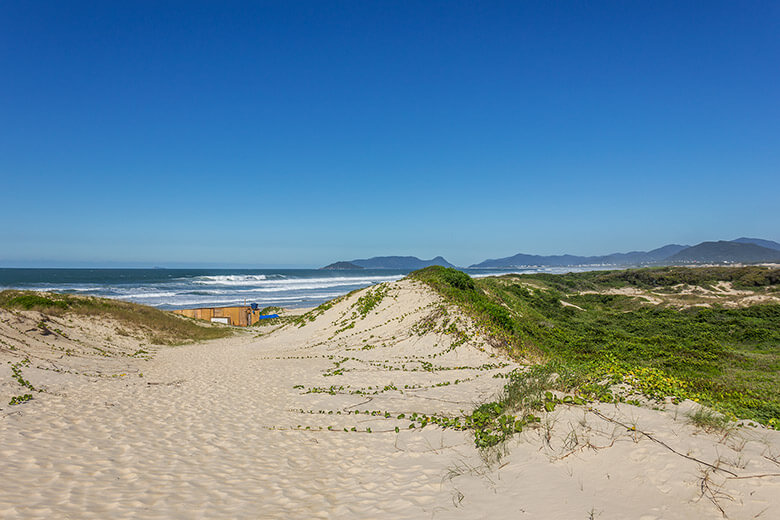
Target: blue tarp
(268, 316)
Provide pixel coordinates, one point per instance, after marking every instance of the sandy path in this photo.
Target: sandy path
(202, 448)
(218, 430)
(206, 433)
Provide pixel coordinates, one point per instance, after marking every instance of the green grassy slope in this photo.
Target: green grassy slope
(727, 358)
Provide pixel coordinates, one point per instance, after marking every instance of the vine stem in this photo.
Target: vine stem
(662, 443)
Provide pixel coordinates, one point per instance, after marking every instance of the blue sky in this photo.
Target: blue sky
(300, 133)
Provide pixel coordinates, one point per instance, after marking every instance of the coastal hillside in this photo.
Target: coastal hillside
(408, 263)
(742, 250)
(722, 251)
(631, 258)
(769, 244)
(340, 266)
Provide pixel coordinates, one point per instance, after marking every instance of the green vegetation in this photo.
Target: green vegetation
(28, 301)
(281, 319)
(271, 309)
(725, 251)
(159, 326)
(648, 278)
(725, 358)
(708, 420)
(491, 423)
(19, 399)
(301, 319)
(370, 300)
(16, 373)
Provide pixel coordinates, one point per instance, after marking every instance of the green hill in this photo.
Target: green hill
(339, 266)
(397, 262)
(723, 251)
(591, 339)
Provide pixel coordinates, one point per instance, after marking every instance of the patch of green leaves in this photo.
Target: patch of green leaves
(19, 399)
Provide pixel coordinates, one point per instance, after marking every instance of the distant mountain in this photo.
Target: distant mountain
(338, 266)
(723, 251)
(769, 244)
(631, 258)
(523, 259)
(638, 257)
(742, 250)
(399, 262)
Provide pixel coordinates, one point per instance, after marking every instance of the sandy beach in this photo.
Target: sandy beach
(302, 421)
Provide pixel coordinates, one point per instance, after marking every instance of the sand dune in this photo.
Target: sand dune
(254, 427)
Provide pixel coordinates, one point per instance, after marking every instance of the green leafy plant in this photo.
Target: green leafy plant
(19, 399)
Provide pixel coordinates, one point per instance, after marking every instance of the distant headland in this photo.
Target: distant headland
(341, 266)
(389, 262)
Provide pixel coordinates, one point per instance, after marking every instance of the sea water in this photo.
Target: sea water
(187, 288)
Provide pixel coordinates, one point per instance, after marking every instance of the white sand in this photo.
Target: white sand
(217, 430)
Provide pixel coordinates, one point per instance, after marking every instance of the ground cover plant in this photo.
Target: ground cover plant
(742, 277)
(725, 358)
(161, 327)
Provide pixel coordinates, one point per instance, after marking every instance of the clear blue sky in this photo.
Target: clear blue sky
(299, 133)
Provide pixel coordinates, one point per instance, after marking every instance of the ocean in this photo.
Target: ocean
(188, 288)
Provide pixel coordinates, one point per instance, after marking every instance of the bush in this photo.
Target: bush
(727, 358)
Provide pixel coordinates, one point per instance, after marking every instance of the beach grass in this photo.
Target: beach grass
(708, 420)
(160, 327)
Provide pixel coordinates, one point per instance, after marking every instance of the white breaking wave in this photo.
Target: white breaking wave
(205, 301)
(59, 288)
(485, 275)
(229, 279)
(295, 283)
(147, 295)
(295, 287)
